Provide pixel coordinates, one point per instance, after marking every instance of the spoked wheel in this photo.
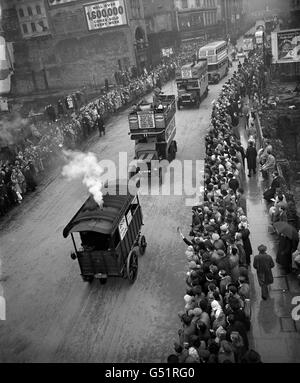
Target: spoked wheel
(172, 153)
(132, 266)
(88, 278)
(143, 245)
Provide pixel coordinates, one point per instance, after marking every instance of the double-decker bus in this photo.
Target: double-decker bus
(216, 54)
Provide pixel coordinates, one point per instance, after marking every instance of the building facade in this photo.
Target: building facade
(294, 7)
(161, 28)
(73, 43)
(198, 19)
(233, 17)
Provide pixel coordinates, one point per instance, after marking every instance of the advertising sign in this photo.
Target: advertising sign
(286, 46)
(259, 37)
(52, 3)
(167, 52)
(123, 227)
(186, 73)
(129, 217)
(146, 120)
(105, 14)
(248, 44)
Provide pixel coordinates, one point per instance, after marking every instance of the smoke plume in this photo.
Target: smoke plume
(13, 129)
(85, 166)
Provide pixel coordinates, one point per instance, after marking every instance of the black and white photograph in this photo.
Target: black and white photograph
(149, 184)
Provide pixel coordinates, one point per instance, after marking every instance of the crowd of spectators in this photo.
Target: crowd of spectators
(216, 316)
(69, 123)
(67, 126)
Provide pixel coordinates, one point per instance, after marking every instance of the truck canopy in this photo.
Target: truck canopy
(91, 217)
(192, 70)
(152, 119)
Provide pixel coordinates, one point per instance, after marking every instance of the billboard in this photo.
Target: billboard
(286, 46)
(167, 52)
(105, 14)
(52, 3)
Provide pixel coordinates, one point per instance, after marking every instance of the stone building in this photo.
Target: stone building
(161, 28)
(66, 44)
(198, 19)
(294, 8)
(233, 16)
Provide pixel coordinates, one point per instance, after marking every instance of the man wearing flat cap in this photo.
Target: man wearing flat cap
(263, 263)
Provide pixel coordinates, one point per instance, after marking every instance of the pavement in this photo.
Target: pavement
(274, 333)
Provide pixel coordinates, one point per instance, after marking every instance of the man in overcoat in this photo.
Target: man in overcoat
(263, 263)
(251, 155)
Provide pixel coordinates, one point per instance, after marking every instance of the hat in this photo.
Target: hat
(181, 313)
(224, 227)
(197, 311)
(187, 298)
(222, 273)
(226, 347)
(262, 248)
(215, 305)
(191, 312)
(221, 253)
(197, 290)
(193, 265)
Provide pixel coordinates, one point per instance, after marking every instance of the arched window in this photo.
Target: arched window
(38, 10)
(29, 10)
(21, 12)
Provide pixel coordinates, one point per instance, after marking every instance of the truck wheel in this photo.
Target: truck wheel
(178, 105)
(175, 146)
(132, 266)
(88, 278)
(142, 245)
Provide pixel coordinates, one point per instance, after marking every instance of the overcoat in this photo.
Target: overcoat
(263, 263)
(251, 155)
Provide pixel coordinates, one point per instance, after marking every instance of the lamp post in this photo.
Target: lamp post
(264, 55)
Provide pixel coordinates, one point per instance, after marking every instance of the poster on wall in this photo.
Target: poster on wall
(105, 14)
(167, 52)
(123, 227)
(286, 46)
(53, 3)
